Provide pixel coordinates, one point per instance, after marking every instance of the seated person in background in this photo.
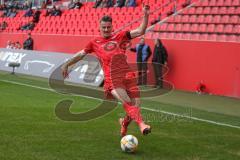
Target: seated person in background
(28, 26)
(28, 13)
(27, 5)
(12, 13)
(110, 3)
(3, 25)
(78, 4)
(75, 4)
(71, 5)
(55, 11)
(130, 3)
(18, 45)
(120, 3)
(97, 3)
(9, 45)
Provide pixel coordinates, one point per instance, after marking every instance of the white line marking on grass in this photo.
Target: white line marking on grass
(190, 117)
(148, 109)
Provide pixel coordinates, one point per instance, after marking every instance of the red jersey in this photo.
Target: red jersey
(111, 53)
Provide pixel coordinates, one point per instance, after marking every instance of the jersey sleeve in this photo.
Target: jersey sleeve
(89, 48)
(125, 35)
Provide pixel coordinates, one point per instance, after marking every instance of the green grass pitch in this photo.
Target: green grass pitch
(30, 130)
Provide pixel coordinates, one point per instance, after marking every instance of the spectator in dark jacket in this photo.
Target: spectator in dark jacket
(160, 57)
(36, 16)
(97, 3)
(120, 3)
(28, 43)
(143, 53)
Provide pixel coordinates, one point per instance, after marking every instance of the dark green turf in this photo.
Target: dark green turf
(31, 131)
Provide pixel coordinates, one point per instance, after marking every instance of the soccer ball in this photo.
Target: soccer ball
(129, 143)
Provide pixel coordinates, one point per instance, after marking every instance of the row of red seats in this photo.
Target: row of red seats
(213, 10)
(202, 28)
(231, 19)
(219, 3)
(196, 36)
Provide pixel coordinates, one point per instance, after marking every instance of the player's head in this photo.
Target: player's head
(142, 41)
(106, 26)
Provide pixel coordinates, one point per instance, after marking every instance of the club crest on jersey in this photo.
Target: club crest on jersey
(110, 46)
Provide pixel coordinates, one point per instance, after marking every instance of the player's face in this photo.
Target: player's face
(105, 29)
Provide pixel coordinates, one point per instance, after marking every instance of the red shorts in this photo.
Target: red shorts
(129, 83)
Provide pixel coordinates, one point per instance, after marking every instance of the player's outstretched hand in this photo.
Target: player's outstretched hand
(146, 9)
(64, 70)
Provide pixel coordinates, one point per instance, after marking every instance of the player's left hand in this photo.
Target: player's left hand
(146, 9)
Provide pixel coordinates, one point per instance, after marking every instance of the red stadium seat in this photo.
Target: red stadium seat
(212, 3)
(200, 19)
(185, 19)
(178, 36)
(227, 2)
(193, 19)
(195, 36)
(216, 19)
(211, 28)
(235, 3)
(170, 27)
(208, 19)
(206, 10)
(186, 27)
(220, 3)
(231, 38)
(186, 36)
(215, 10)
(203, 37)
(163, 35)
(177, 18)
(228, 28)
(221, 38)
(178, 27)
(191, 10)
(170, 35)
(231, 10)
(236, 29)
(194, 28)
(224, 19)
(163, 27)
(204, 3)
(219, 28)
(223, 10)
(199, 10)
(237, 11)
(202, 28)
(234, 19)
(212, 37)
(171, 19)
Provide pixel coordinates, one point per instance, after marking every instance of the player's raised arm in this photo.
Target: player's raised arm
(143, 26)
(77, 57)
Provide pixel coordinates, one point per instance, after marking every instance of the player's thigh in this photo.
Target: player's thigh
(136, 102)
(121, 95)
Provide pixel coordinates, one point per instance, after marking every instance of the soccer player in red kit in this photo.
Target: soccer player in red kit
(120, 82)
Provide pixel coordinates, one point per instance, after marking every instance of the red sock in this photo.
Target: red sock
(133, 112)
(126, 120)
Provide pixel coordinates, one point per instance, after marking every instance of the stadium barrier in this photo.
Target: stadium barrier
(43, 64)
